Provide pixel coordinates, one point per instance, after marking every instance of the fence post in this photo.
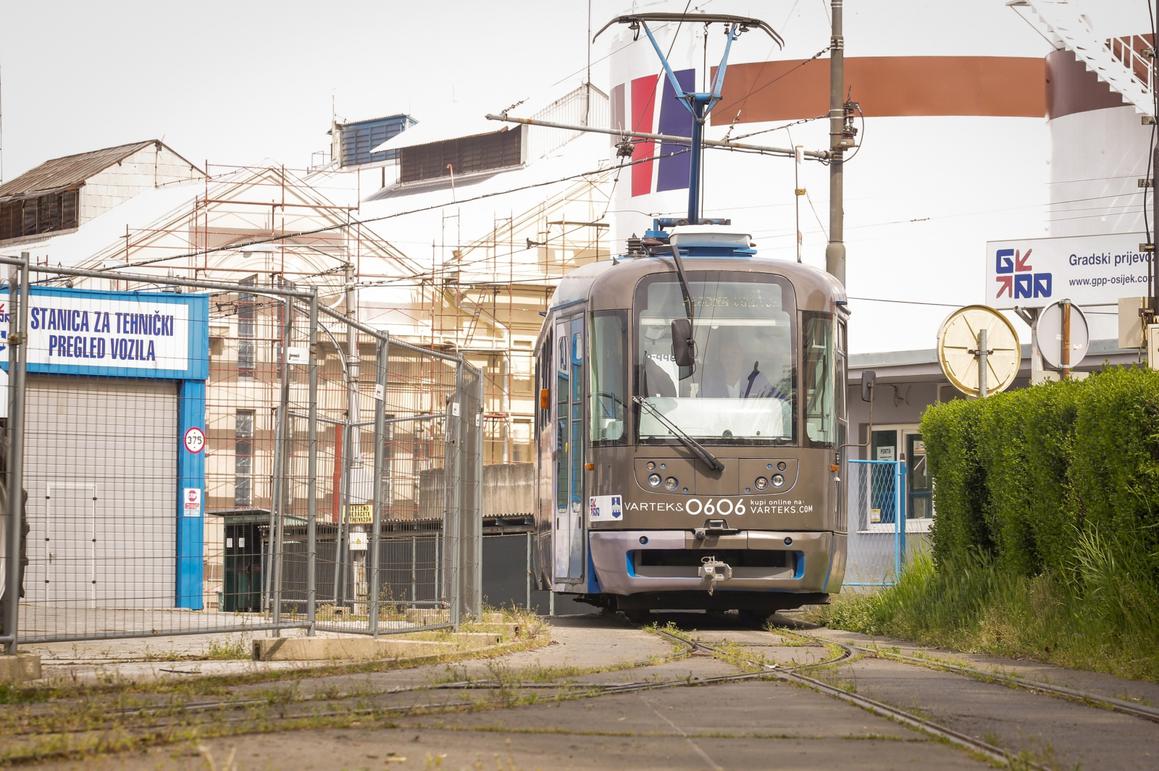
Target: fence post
(312, 471)
(898, 518)
(17, 363)
(904, 515)
(414, 558)
(477, 509)
(343, 504)
(377, 486)
(272, 576)
(528, 601)
(454, 523)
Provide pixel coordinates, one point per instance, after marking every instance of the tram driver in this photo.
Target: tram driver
(734, 376)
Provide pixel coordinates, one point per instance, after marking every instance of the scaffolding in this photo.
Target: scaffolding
(486, 298)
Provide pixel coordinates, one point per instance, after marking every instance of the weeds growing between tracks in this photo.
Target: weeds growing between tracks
(1103, 616)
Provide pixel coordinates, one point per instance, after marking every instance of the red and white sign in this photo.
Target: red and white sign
(191, 501)
(194, 440)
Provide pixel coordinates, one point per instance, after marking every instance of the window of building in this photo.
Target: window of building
(243, 458)
(32, 215)
(246, 329)
(464, 155)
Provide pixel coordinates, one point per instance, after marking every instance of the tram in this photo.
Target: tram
(691, 414)
(689, 460)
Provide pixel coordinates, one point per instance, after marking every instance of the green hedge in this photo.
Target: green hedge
(1020, 476)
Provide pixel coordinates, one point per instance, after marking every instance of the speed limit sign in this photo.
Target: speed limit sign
(194, 440)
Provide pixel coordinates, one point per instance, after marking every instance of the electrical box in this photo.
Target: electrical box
(1153, 346)
(1130, 322)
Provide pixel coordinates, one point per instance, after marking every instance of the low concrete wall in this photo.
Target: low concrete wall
(508, 488)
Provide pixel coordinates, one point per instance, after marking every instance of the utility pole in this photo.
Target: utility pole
(835, 251)
(1153, 289)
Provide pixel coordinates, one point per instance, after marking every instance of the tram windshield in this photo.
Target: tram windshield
(742, 386)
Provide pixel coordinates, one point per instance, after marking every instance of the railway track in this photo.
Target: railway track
(937, 730)
(246, 713)
(1141, 711)
(155, 720)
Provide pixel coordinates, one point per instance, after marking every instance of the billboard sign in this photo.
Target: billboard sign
(116, 334)
(1087, 270)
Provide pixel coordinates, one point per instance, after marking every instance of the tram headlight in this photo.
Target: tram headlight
(778, 480)
(670, 484)
(760, 483)
(654, 480)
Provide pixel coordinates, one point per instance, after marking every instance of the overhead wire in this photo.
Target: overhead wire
(382, 218)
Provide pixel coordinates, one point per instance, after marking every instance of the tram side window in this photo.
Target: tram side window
(820, 417)
(543, 381)
(842, 352)
(608, 387)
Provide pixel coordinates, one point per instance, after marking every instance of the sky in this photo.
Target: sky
(243, 82)
(257, 81)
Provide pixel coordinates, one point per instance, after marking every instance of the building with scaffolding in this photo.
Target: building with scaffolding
(503, 212)
(456, 265)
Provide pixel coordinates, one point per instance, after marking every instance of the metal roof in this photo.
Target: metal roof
(71, 170)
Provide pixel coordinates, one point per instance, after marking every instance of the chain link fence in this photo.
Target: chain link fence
(202, 456)
(877, 543)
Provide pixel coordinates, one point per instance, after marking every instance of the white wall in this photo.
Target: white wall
(922, 195)
(145, 169)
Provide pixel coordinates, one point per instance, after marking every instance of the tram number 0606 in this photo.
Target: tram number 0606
(710, 508)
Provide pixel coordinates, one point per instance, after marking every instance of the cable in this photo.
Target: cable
(907, 302)
(382, 218)
(777, 128)
(782, 76)
(564, 234)
(610, 54)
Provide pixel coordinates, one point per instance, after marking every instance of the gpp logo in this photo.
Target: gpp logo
(1016, 277)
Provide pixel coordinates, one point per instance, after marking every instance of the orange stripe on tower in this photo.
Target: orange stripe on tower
(1002, 86)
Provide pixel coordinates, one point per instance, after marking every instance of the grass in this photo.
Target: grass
(1102, 615)
(228, 650)
(83, 721)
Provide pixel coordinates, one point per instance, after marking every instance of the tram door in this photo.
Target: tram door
(568, 477)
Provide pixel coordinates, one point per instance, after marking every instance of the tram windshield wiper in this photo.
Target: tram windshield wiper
(697, 448)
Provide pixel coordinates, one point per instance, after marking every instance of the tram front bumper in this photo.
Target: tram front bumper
(638, 561)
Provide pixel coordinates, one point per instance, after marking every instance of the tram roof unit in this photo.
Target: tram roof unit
(611, 285)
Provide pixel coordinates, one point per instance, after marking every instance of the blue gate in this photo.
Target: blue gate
(877, 491)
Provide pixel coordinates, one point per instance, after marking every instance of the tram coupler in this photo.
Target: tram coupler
(713, 570)
(713, 527)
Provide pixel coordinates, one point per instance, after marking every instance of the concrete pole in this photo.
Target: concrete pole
(835, 251)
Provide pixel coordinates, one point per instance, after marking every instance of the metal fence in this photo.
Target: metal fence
(877, 542)
(203, 456)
